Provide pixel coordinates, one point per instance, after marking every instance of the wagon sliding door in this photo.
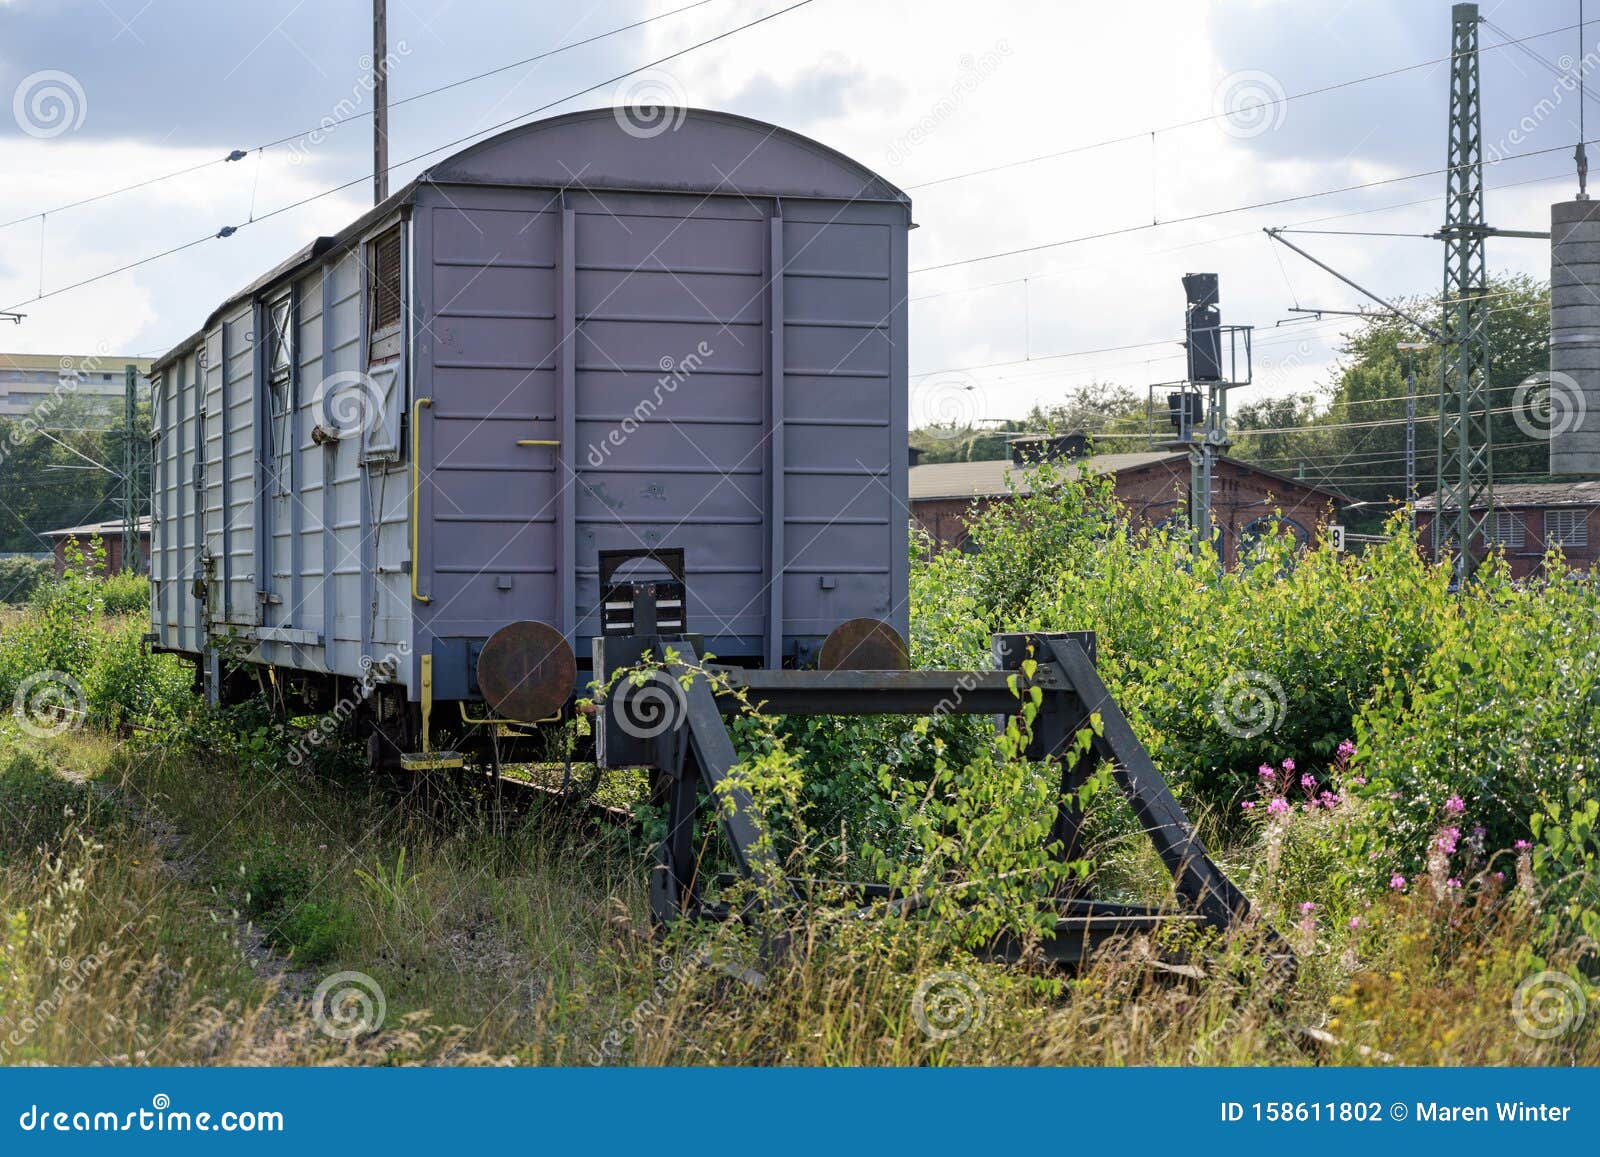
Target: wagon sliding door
(488, 367)
(671, 399)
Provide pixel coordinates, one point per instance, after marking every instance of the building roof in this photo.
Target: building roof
(992, 478)
(97, 529)
(65, 362)
(1533, 494)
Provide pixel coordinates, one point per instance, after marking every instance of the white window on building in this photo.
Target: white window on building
(1508, 530)
(1566, 528)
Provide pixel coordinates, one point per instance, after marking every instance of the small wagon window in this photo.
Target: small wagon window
(280, 339)
(383, 274)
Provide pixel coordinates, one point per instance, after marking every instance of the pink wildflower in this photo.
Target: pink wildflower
(1266, 772)
(1499, 875)
(1455, 805)
(1452, 882)
(1248, 805)
(1522, 845)
(1397, 882)
(1347, 748)
(1308, 781)
(1288, 765)
(1447, 840)
(1355, 922)
(1278, 806)
(1307, 907)
(1359, 780)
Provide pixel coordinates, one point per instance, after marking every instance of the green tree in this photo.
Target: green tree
(1356, 441)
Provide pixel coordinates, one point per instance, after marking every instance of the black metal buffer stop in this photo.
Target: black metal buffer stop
(673, 723)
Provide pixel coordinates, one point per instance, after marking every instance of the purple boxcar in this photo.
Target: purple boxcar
(580, 335)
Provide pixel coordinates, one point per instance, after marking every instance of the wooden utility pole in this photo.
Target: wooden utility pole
(380, 101)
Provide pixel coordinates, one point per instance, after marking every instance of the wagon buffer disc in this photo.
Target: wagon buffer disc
(526, 671)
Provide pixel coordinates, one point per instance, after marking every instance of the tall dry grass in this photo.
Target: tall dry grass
(130, 936)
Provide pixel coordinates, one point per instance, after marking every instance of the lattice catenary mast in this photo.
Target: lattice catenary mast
(1465, 461)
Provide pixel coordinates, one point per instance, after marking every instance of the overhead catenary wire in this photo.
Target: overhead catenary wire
(230, 230)
(1225, 237)
(241, 154)
(1285, 339)
(1223, 212)
(1253, 108)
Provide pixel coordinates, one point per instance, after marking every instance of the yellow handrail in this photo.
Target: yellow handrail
(416, 495)
(465, 718)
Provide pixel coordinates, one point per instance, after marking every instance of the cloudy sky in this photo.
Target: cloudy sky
(106, 93)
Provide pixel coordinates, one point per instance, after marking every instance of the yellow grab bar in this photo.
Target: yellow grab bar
(504, 723)
(416, 493)
(538, 442)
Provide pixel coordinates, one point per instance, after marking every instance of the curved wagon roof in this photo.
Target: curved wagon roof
(693, 151)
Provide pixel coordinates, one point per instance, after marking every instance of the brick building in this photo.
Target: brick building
(1153, 485)
(1529, 518)
(110, 534)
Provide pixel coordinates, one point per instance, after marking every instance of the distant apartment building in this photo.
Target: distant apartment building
(27, 380)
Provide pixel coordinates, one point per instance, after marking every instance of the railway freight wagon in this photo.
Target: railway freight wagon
(418, 455)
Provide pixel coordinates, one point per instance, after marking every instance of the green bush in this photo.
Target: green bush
(20, 577)
(38, 806)
(126, 593)
(277, 885)
(1493, 736)
(273, 878)
(1476, 715)
(96, 660)
(127, 683)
